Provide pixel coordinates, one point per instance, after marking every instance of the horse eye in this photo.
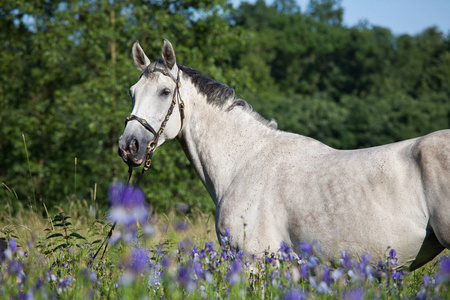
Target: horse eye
(165, 92)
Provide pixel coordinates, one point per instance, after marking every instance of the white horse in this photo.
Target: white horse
(271, 186)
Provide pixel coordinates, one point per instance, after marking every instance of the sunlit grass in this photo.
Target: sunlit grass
(179, 259)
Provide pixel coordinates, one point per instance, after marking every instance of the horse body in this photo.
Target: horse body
(271, 186)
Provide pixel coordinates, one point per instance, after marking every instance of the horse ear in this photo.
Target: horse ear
(140, 59)
(168, 54)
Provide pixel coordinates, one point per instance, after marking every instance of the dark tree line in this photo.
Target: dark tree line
(66, 68)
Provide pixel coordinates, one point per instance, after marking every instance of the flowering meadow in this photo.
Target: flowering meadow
(174, 256)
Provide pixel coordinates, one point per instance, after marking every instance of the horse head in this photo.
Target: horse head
(154, 97)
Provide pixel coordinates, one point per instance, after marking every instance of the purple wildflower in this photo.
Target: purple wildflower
(392, 257)
(224, 255)
(28, 296)
(65, 282)
(288, 275)
(12, 244)
(357, 294)
(39, 284)
(202, 253)
(126, 195)
(233, 276)
(181, 226)
(294, 294)
(422, 294)
(270, 259)
(194, 251)
(304, 271)
(284, 248)
(392, 253)
(182, 208)
(323, 288)
(285, 252)
(50, 276)
(183, 275)
(345, 261)
(127, 205)
(326, 275)
(380, 265)
(312, 262)
(10, 250)
(397, 277)
(444, 270)
(139, 260)
(236, 267)
(14, 267)
(305, 247)
(166, 262)
(428, 284)
(209, 246)
(198, 269)
(149, 230)
(336, 274)
(226, 237)
(365, 269)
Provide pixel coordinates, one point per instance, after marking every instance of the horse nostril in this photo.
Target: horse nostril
(134, 147)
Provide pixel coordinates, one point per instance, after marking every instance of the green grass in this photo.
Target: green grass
(54, 259)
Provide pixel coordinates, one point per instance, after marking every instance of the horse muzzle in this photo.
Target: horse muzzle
(132, 151)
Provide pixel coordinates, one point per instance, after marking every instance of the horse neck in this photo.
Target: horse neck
(218, 142)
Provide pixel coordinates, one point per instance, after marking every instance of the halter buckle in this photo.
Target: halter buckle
(151, 146)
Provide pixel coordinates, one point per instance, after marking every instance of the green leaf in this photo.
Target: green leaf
(74, 234)
(57, 218)
(54, 235)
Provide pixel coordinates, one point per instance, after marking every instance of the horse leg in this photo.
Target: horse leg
(432, 153)
(431, 247)
(252, 235)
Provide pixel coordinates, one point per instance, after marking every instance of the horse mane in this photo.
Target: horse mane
(216, 92)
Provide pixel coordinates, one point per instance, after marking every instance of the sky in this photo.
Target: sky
(400, 16)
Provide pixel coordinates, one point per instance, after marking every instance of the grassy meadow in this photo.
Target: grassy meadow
(65, 72)
(177, 256)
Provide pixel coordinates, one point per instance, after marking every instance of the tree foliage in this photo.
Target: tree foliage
(66, 68)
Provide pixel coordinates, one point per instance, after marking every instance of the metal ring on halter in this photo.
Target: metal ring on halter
(151, 146)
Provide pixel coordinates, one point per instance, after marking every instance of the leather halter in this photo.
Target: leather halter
(151, 147)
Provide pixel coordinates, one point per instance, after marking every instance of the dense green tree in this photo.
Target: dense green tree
(326, 11)
(64, 86)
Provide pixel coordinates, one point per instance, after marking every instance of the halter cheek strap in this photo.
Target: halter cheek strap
(151, 147)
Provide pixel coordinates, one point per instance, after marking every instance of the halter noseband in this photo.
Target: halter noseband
(151, 147)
